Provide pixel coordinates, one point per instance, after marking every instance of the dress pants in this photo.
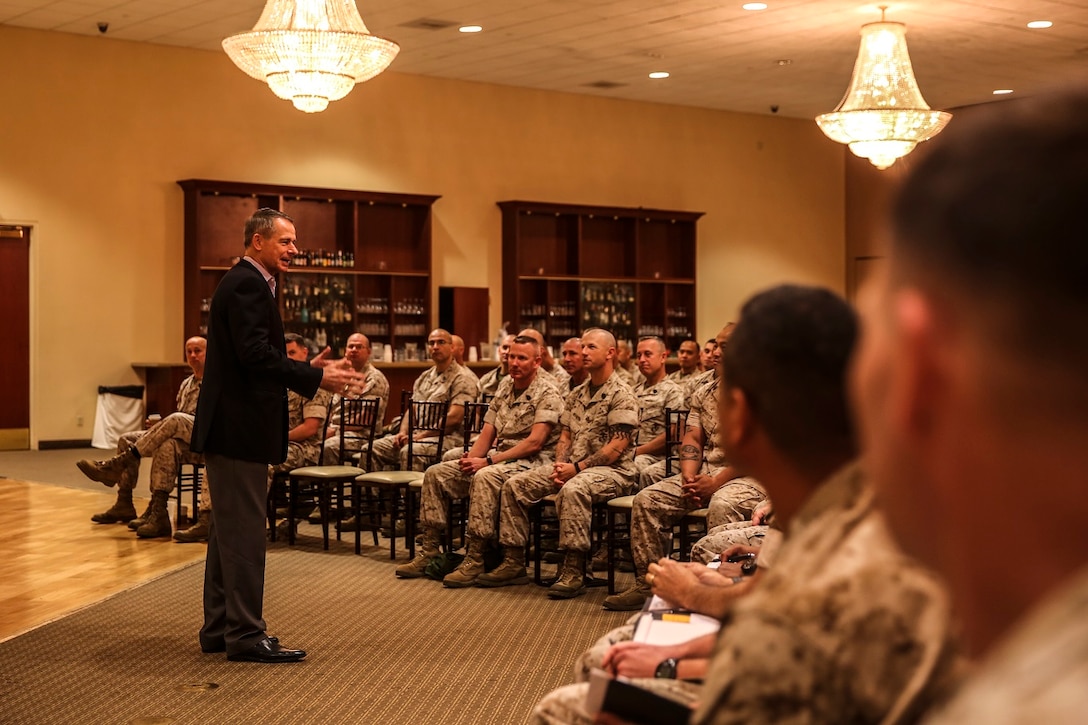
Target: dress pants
(234, 571)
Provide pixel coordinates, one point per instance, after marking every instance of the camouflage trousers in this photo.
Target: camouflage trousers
(330, 450)
(566, 705)
(653, 473)
(573, 503)
(388, 457)
(297, 455)
(661, 506)
(444, 482)
(720, 538)
(167, 442)
(591, 659)
(645, 462)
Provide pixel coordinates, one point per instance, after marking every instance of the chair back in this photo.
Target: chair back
(473, 421)
(426, 415)
(358, 424)
(676, 425)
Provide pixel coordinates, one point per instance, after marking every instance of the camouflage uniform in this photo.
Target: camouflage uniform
(559, 374)
(513, 417)
(453, 385)
(844, 628)
(590, 421)
(167, 442)
(1037, 673)
(489, 383)
(653, 473)
(375, 385)
(687, 383)
(652, 402)
(695, 382)
(658, 508)
(632, 378)
(303, 453)
(725, 536)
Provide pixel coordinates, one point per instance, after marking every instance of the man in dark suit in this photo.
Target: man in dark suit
(241, 427)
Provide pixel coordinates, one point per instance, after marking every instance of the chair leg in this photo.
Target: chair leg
(409, 522)
(611, 537)
(394, 497)
(357, 514)
(292, 496)
(536, 522)
(324, 496)
(270, 511)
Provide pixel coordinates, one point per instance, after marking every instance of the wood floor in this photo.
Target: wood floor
(54, 560)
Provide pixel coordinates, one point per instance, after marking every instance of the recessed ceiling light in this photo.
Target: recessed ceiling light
(659, 74)
(1002, 91)
(754, 6)
(784, 61)
(1040, 24)
(470, 28)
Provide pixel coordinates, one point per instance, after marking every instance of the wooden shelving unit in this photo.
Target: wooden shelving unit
(568, 267)
(365, 264)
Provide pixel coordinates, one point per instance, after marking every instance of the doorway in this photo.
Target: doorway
(15, 332)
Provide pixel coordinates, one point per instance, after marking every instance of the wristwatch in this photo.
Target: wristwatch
(666, 670)
(748, 567)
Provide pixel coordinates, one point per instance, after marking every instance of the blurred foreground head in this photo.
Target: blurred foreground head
(971, 382)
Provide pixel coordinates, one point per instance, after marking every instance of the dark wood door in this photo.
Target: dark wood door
(15, 332)
(463, 311)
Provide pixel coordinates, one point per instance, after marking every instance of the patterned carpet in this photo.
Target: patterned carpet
(382, 650)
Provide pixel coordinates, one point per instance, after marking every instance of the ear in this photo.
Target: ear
(736, 425)
(923, 375)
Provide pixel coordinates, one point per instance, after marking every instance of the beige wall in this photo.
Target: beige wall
(97, 131)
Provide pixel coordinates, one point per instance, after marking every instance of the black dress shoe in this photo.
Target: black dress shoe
(222, 647)
(267, 651)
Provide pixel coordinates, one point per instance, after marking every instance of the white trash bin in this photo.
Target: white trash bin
(120, 410)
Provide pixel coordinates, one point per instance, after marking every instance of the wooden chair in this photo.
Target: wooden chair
(544, 526)
(188, 481)
(423, 416)
(358, 422)
(676, 423)
(618, 526)
(457, 511)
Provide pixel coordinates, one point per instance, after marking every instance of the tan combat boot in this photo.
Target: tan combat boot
(571, 582)
(472, 567)
(157, 523)
(139, 521)
(121, 512)
(511, 571)
(428, 550)
(198, 531)
(107, 472)
(629, 600)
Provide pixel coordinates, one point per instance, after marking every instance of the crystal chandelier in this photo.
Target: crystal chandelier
(883, 115)
(310, 52)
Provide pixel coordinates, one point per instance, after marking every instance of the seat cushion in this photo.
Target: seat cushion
(326, 472)
(621, 502)
(390, 478)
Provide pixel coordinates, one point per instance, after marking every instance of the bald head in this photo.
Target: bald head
(458, 344)
(357, 350)
(195, 349)
(440, 347)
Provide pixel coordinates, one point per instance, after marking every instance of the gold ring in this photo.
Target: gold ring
(650, 579)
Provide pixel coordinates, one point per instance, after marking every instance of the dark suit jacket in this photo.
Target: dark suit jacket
(242, 409)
